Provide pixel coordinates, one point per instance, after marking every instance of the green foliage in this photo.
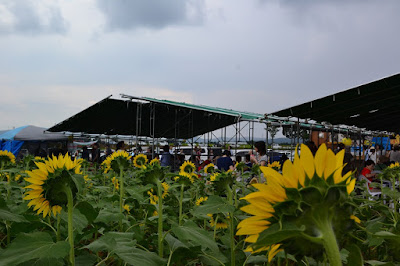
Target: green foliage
(34, 246)
(29, 239)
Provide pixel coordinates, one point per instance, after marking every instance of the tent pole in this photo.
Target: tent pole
(152, 124)
(236, 137)
(291, 142)
(266, 135)
(298, 130)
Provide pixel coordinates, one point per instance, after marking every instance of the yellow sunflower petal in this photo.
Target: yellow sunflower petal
(350, 186)
(320, 160)
(307, 160)
(273, 251)
(330, 163)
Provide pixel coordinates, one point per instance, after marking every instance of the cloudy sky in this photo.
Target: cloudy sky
(57, 57)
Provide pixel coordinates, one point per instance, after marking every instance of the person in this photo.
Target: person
(166, 157)
(85, 153)
(366, 152)
(120, 145)
(261, 157)
(367, 171)
(372, 154)
(378, 151)
(225, 162)
(348, 159)
(313, 148)
(108, 150)
(238, 158)
(247, 161)
(395, 154)
(40, 152)
(57, 150)
(383, 163)
(96, 153)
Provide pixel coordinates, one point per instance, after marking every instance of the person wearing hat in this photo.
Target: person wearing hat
(372, 154)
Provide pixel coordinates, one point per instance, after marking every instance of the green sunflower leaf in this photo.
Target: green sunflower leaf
(380, 263)
(387, 235)
(214, 204)
(87, 209)
(124, 246)
(355, 256)
(191, 233)
(78, 181)
(38, 246)
(276, 234)
(174, 243)
(6, 215)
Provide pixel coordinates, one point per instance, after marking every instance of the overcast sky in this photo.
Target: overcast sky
(58, 57)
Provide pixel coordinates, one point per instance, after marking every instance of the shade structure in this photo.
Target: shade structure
(151, 117)
(13, 140)
(31, 133)
(374, 106)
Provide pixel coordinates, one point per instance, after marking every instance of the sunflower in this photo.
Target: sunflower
(165, 187)
(184, 177)
(305, 176)
(275, 165)
(46, 193)
(214, 177)
(115, 182)
(209, 168)
(187, 167)
(394, 165)
(127, 208)
(116, 160)
(219, 225)
(200, 200)
(153, 197)
(240, 166)
(7, 157)
(140, 161)
(154, 161)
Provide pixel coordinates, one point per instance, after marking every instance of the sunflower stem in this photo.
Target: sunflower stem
(231, 226)
(58, 233)
(121, 195)
(180, 204)
(215, 227)
(160, 221)
(70, 206)
(8, 227)
(329, 242)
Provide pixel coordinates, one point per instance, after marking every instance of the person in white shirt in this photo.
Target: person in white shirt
(372, 154)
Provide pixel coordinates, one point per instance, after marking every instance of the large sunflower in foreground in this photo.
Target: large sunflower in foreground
(48, 182)
(310, 197)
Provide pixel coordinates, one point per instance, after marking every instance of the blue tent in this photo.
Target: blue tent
(13, 140)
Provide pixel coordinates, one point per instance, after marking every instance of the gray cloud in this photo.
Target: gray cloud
(30, 17)
(124, 15)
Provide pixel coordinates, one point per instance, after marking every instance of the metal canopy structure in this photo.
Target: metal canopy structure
(150, 117)
(373, 106)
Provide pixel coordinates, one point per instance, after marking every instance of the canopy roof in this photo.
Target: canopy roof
(373, 106)
(33, 133)
(134, 116)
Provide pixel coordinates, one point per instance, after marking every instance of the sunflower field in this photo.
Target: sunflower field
(131, 211)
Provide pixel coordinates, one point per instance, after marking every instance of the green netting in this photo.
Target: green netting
(242, 115)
